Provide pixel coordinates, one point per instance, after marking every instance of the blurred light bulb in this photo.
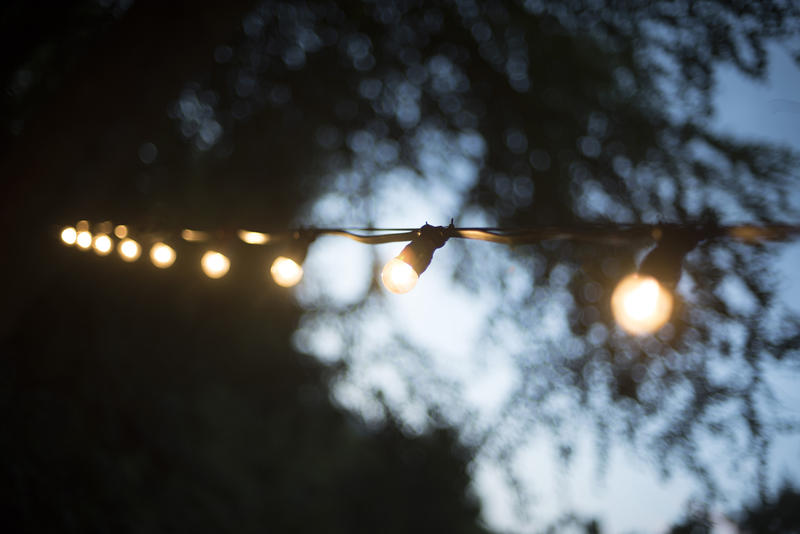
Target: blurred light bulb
(640, 304)
(69, 235)
(121, 231)
(84, 239)
(214, 264)
(162, 255)
(82, 225)
(194, 236)
(129, 250)
(398, 276)
(102, 244)
(253, 238)
(286, 272)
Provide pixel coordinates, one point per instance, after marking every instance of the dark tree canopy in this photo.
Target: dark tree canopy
(528, 113)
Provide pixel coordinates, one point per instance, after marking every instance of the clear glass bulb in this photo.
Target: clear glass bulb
(286, 272)
(214, 264)
(398, 276)
(84, 239)
(129, 250)
(102, 244)
(162, 255)
(69, 235)
(640, 304)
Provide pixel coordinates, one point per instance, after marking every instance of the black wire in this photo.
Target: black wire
(599, 233)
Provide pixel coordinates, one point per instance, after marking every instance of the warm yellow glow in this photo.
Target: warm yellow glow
(162, 255)
(398, 276)
(129, 250)
(82, 226)
(69, 235)
(640, 304)
(286, 272)
(121, 231)
(214, 264)
(253, 238)
(84, 239)
(194, 235)
(102, 244)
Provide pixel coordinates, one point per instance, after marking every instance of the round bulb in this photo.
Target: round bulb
(398, 276)
(286, 272)
(69, 235)
(121, 231)
(129, 250)
(640, 304)
(102, 244)
(253, 238)
(162, 255)
(84, 239)
(214, 264)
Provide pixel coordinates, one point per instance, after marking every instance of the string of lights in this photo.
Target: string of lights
(641, 303)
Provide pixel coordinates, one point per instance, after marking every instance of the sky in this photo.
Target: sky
(629, 495)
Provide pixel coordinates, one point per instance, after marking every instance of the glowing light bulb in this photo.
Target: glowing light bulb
(84, 239)
(214, 264)
(253, 238)
(102, 244)
(121, 231)
(640, 304)
(69, 235)
(162, 255)
(194, 236)
(286, 272)
(398, 276)
(129, 250)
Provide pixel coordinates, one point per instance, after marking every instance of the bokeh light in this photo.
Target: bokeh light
(162, 255)
(129, 250)
(640, 304)
(194, 236)
(214, 264)
(121, 231)
(69, 235)
(102, 244)
(253, 238)
(84, 239)
(398, 276)
(286, 272)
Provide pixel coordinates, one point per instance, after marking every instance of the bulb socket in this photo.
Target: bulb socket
(419, 253)
(665, 261)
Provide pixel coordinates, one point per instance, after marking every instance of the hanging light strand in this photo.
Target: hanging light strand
(641, 303)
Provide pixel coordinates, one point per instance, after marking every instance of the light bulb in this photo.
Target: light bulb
(214, 264)
(640, 304)
(121, 231)
(253, 238)
(102, 244)
(398, 276)
(129, 250)
(69, 235)
(194, 236)
(286, 272)
(84, 239)
(162, 255)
